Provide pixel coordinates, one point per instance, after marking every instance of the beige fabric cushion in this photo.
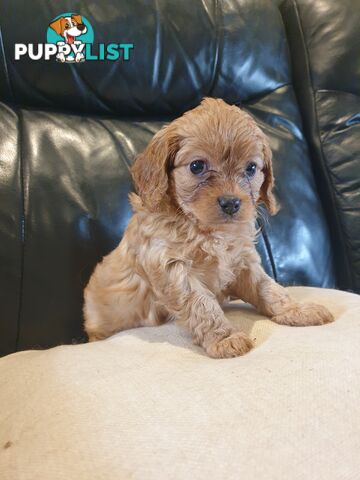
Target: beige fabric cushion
(148, 405)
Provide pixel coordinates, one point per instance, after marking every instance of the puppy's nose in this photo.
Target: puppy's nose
(229, 204)
(81, 26)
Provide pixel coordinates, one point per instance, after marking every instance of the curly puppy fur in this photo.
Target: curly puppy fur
(182, 254)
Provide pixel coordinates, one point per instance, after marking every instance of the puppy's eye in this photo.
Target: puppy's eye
(197, 167)
(250, 169)
(67, 25)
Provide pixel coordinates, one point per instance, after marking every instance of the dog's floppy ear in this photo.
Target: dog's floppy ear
(151, 168)
(266, 194)
(57, 25)
(77, 19)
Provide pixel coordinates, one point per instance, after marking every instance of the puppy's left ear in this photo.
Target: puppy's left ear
(150, 171)
(77, 19)
(266, 194)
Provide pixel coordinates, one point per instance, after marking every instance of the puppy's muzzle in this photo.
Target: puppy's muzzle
(229, 204)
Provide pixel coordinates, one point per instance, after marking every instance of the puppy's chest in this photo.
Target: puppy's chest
(216, 264)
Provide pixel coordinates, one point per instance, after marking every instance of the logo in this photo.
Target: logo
(70, 39)
(70, 33)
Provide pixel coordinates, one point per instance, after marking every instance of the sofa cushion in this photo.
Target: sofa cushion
(147, 404)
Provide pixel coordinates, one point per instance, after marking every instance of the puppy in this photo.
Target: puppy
(190, 244)
(70, 28)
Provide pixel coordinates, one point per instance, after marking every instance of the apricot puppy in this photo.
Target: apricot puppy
(190, 244)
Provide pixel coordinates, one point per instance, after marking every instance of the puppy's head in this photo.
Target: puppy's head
(69, 27)
(212, 164)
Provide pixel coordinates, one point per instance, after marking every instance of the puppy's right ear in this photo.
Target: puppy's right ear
(266, 191)
(151, 168)
(56, 25)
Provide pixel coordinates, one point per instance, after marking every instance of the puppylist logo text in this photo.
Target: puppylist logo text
(70, 39)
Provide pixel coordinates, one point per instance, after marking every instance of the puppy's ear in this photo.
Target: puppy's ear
(56, 25)
(77, 19)
(266, 194)
(151, 168)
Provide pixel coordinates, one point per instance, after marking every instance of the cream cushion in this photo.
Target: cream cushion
(148, 405)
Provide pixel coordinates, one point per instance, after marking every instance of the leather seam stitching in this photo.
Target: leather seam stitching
(22, 226)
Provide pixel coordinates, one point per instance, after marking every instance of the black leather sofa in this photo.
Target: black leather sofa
(68, 134)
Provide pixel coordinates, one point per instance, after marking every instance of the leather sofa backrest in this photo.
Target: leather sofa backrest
(183, 51)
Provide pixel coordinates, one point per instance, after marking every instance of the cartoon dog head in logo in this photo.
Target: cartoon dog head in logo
(69, 27)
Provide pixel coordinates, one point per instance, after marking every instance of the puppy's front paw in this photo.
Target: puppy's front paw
(236, 344)
(60, 57)
(304, 314)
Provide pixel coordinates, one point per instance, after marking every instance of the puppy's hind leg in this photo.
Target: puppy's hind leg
(101, 318)
(111, 310)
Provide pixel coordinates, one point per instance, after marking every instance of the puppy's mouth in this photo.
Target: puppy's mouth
(219, 219)
(70, 38)
(216, 211)
(227, 220)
